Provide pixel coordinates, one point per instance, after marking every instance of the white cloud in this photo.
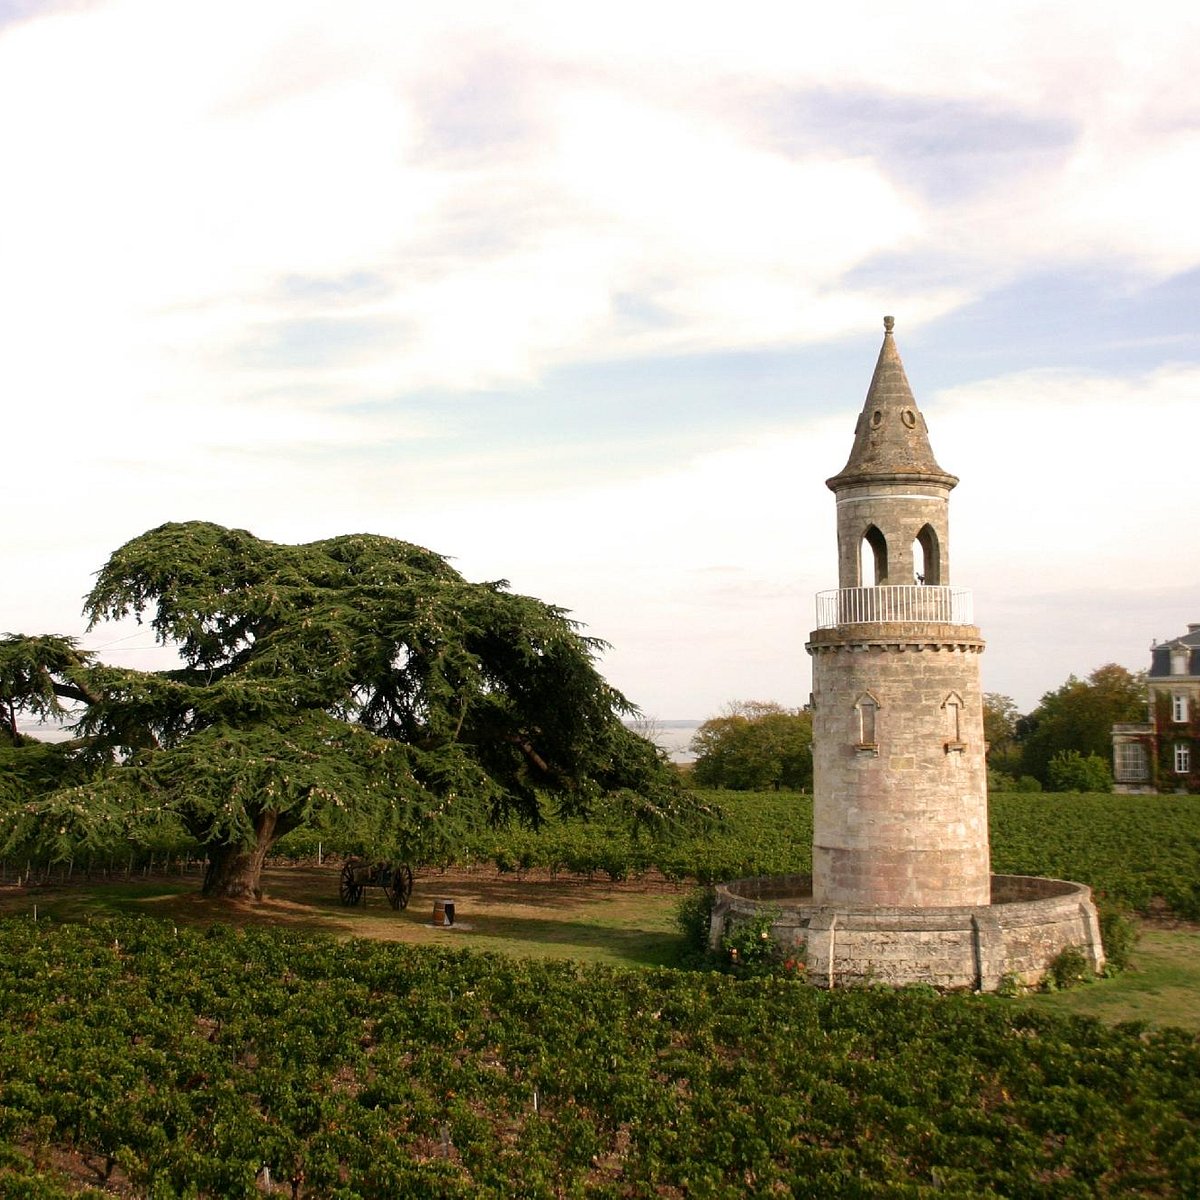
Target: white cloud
(176, 161)
(236, 238)
(1065, 471)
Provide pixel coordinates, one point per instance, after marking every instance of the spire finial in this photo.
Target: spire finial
(890, 439)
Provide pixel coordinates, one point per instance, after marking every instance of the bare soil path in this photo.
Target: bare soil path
(631, 922)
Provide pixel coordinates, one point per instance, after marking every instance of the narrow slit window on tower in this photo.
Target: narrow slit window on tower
(927, 566)
(953, 706)
(867, 708)
(873, 558)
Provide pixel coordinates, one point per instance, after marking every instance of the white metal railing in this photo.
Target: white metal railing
(914, 602)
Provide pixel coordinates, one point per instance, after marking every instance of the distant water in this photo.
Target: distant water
(44, 731)
(673, 736)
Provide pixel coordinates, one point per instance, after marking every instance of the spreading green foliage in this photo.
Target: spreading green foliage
(1070, 771)
(1000, 718)
(754, 745)
(358, 685)
(180, 1062)
(1000, 723)
(36, 674)
(1079, 716)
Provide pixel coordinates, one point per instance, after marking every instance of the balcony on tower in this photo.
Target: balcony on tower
(912, 602)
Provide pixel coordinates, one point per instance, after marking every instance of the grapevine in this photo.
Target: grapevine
(184, 1062)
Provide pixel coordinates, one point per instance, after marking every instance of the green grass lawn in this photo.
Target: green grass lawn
(1161, 988)
(621, 924)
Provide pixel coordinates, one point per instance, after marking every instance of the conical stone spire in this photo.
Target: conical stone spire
(891, 441)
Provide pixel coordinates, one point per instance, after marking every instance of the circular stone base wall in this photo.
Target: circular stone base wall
(1015, 937)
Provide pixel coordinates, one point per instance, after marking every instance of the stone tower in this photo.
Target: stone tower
(900, 781)
(900, 890)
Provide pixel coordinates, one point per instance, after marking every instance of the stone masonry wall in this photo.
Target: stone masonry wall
(975, 947)
(899, 520)
(900, 812)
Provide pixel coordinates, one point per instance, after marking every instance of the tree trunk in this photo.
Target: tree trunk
(233, 872)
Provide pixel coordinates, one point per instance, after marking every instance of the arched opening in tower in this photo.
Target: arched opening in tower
(872, 559)
(927, 566)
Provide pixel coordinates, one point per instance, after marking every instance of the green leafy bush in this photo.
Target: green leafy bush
(999, 781)
(749, 950)
(1068, 967)
(1070, 771)
(693, 916)
(1120, 937)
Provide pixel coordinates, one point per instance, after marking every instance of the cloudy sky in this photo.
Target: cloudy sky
(587, 296)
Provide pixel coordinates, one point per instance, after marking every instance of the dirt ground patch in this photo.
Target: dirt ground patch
(534, 915)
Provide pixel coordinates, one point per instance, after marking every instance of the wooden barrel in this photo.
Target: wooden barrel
(443, 912)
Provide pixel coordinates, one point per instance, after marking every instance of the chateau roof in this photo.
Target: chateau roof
(891, 440)
(1160, 654)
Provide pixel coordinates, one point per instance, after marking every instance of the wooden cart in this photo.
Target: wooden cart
(396, 879)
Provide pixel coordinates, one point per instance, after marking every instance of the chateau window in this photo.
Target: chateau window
(1179, 708)
(1131, 762)
(1183, 758)
(1179, 662)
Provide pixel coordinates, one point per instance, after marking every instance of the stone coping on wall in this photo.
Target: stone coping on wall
(1011, 892)
(917, 635)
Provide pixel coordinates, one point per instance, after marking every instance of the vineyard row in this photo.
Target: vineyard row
(169, 1062)
(1136, 852)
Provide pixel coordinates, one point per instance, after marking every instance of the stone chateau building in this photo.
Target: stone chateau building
(1162, 754)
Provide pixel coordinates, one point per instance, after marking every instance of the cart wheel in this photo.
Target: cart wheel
(349, 890)
(401, 887)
